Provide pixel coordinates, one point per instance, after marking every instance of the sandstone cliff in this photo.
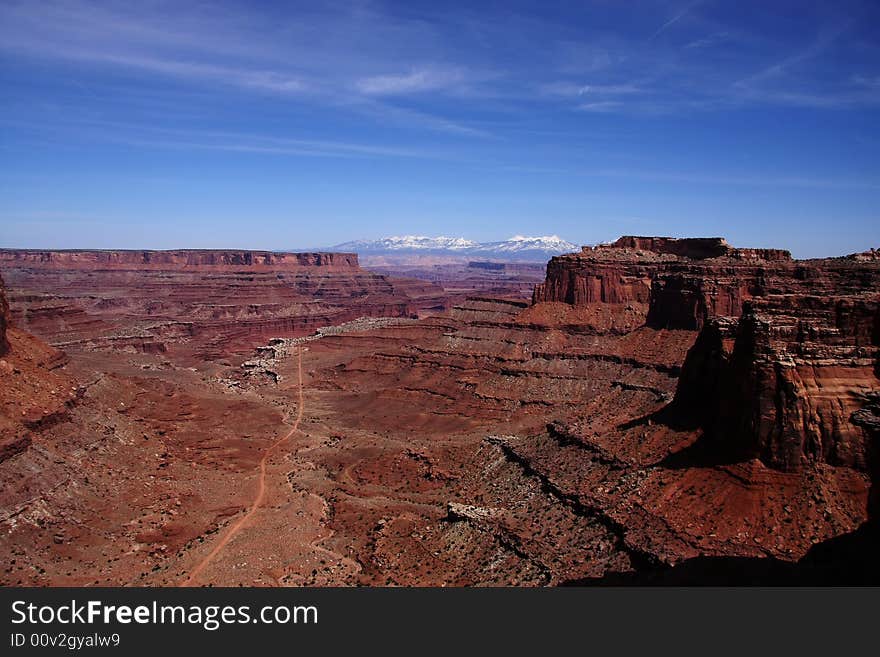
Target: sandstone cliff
(681, 283)
(440, 419)
(213, 300)
(171, 260)
(4, 319)
(787, 351)
(693, 248)
(787, 382)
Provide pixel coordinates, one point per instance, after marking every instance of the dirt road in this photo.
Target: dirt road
(261, 484)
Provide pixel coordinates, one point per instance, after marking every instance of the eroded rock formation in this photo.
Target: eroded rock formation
(149, 301)
(682, 283)
(34, 391)
(790, 388)
(173, 260)
(778, 390)
(4, 319)
(663, 404)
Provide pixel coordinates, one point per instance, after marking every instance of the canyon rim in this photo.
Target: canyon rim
(651, 410)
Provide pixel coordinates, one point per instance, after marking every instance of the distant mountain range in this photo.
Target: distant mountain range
(517, 247)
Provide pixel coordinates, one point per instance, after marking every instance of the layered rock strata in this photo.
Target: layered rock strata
(570, 440)
(788, 381)
(173, 260)
(682, 283)
(4, 319)
(148, 301)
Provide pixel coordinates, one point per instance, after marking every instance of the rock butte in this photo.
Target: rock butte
(663, 410)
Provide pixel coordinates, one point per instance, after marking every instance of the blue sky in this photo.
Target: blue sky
(264, 125)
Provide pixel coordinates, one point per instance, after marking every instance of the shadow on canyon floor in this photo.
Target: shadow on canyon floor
(847, 560)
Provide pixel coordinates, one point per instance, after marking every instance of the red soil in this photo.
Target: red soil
(490, 443)
(261, 486)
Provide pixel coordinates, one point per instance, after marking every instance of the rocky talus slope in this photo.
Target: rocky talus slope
(34, 392)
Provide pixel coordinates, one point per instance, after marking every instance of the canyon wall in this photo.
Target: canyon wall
(34, 393)
(768, 445)
(675, 283)
(787, 351)
(787, 382)
(693, 248)
(172, 260)
(212, 300)
(671, 400)
(4, 319)
(681, 283)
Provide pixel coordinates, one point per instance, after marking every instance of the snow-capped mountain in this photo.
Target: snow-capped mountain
(546, 244)
(518, 247)
(410, 243)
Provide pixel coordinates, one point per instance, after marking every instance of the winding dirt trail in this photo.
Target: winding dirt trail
(261, 487)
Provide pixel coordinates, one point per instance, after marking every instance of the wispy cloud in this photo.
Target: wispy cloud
(718, 178)
(383, 110)
(817, 47)
(240, 52)
(867, 82)
(570, 90)
(90, 34)
(600, 106)
(796, 80)
(424, 110)
(151, 136)
(423, 70)
(413, 82)
(257, 79)
(708, 41)
(672, 21)
(593, 97)
(831, 100)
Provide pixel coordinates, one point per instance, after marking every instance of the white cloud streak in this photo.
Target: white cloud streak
(413, 82)
(819, 45)
(172, 138)
(672, 21)
(348, 60)
(600, 106)
(256, 79)
(708, 41)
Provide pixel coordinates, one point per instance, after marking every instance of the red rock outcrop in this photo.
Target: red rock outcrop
(677, 283)
(680, 283)
(34, 393)
(788, 388)
(778, 390)
(781, 383)
(4, 319)
(694, 248)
